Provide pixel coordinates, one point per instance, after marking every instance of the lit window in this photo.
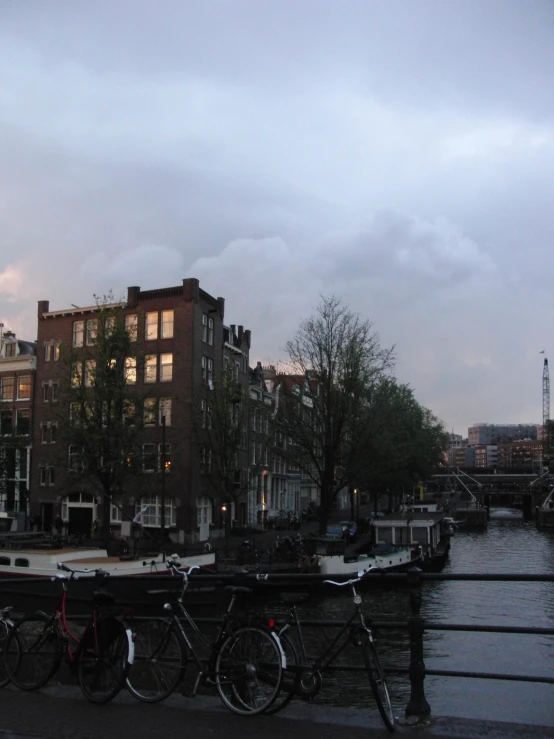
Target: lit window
(166, 367)
(76, 375)
(131, 326)
(24, 388)
(150, 368)
(164, 454)
(92, 331)
(90, 372)
(167, 324)
(78, 333)
(130, 370)
(149, 411)
(151, 329)
(165, 411)
(7, 385)
(109, 325)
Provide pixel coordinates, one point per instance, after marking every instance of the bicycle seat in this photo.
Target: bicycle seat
(294, 597)
(102, 597)
(237, 589)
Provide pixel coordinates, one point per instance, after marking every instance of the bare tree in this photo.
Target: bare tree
(335, 357)
(224, 429)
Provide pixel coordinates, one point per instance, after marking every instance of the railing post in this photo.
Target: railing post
(417, 705)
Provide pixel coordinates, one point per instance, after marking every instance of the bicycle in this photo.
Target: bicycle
(245, 662)
(6, 625)
(303, 677)
(101, 656)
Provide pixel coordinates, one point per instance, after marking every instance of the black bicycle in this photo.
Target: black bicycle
(245, 662)
(303, 675)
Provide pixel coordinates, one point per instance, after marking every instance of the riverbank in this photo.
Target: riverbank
(62, 711)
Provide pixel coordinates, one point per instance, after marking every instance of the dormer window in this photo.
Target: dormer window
(10, 349)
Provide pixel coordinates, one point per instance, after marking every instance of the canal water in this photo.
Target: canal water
(509, 545)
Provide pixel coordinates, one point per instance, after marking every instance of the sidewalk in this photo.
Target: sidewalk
(59, 711)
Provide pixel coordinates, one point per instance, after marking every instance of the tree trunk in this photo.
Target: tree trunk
(106, 505)
(352, 503)
(326, 500)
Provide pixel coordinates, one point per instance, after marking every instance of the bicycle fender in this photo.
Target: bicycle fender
(282, 651)
(130, 640)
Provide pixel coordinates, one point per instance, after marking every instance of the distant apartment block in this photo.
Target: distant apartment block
(492, 433)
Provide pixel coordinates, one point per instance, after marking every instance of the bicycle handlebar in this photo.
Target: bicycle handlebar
(74, 570)
(355, 580)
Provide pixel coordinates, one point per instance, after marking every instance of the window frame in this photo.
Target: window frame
(6, 382)
(78, 336)
(151, 327)
(131, 326)
(165, 331)
(28, 383)
(150, 362)
(168, 367)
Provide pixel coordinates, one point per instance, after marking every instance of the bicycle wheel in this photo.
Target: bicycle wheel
(378, 683)
(286, 694)
(103, 659)
(249, 671)
(5, 627)
(33, 652)
(160, 661)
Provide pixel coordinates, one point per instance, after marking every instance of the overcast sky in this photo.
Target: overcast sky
(396, 153)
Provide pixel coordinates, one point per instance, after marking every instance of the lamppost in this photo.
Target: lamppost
(162, 501)
(357, 502)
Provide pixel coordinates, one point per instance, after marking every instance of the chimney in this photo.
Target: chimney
(241, 331)
(221, 302)
(133, 296)
(247, 334)
(43, 307)
(191, 290)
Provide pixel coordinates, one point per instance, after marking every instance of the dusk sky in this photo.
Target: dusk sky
(396, 153)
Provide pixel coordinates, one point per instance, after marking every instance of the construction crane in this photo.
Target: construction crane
(545, 394)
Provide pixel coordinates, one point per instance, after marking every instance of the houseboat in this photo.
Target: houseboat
(418, 529)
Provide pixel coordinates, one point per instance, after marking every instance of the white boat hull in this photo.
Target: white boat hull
(337, 564)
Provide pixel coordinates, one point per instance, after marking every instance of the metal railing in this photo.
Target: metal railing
(415, 624)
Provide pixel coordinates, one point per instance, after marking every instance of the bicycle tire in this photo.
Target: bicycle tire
(378, 683)
(33, 652)
(285, 695)
(5, 628)
(103, 659)
(160, 661)
(249, 671)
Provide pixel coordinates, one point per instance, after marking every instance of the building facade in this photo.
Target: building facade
(17, 382)
(179, 335)
(494, 433)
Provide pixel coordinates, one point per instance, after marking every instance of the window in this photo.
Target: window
(165, 411)
(203, 411)
(76, 375)
(9, 349)
(43, 433)
(7, 385)
(46, 391)
(90, 372)
(167, 324)
(42, 476)
(207, 329)
(51, 475)
(53, 433)
(92, 331)
(151, 328)
(130, 370)
(78, 333)
(166, 367)
(55, 386)
(203, 511)
(149, 417)
(164, 457)
(24, 388)
(149, 511)
(149, 457)
(150, 368)
(237, 370)
(74, 459)
(129, 412)
(21, 562)
(109, 326)
(205, 459)
(131, 326)
(6, 423)
(115, 514)
(23, 422)
(207, 369)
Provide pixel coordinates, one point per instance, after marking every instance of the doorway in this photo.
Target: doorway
(46, 516)
(79, 521)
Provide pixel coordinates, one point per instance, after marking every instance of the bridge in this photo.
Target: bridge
(533, 493)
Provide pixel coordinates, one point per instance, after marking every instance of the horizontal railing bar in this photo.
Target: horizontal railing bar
(491, 676)
(428, 626)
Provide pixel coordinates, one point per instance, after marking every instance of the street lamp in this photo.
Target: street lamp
(357, 502)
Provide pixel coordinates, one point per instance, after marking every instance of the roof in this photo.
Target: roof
(402, 518)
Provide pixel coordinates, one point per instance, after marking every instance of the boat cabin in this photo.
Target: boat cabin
(410, 528)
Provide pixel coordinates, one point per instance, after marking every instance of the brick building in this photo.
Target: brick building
(183, 342)
(17, 380)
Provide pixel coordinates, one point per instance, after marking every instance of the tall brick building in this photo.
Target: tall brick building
(180, 334)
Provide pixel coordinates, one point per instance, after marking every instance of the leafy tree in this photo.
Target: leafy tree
(335, 357)
(100, 411)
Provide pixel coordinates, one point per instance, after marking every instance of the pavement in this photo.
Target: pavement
(59, 712)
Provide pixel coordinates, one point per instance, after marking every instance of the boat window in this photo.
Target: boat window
(20, 562)
(5, 561)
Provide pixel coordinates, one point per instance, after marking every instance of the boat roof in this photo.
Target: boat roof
(401, 519)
